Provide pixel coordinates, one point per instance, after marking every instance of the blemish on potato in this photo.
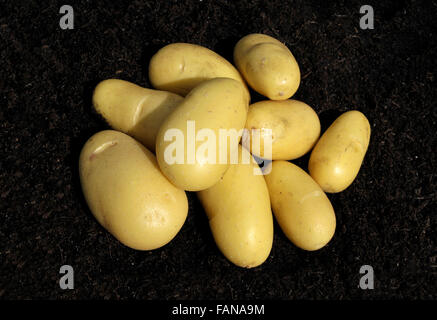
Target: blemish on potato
(102, 148)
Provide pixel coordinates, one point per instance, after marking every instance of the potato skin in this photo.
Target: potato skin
(134, 110)
(267, 65)
(300, 206)
(128, 194)
(214, 104)
(179, 67)
(239, 213)
(337, 157)
(295, 128)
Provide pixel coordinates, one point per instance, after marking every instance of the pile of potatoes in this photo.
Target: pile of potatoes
(140, 198)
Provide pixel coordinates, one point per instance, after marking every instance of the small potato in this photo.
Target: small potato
(128, 194)
(338, 155)
(294, 125)
(188, 145)
(240, 217)
(267, 65)
(134, 110)
(300, 206)
(179, 67)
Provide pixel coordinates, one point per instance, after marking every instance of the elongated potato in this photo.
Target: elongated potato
(188, 146)
(240, 217)
(294, 125)
(337, 157)
(267, 65)
(128, 194)
(300, 206)
(179, 67)
(134, 110)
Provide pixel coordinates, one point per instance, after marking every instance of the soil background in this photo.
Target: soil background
(385, 219)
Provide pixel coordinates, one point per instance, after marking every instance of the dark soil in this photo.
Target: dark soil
(385, 219)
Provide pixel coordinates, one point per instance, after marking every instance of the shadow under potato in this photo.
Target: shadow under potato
(327, 118)
(225, 48)
(199, 218)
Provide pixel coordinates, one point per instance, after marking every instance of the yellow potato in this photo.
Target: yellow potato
(294, 125)
(179, 67)
(239, 213)
(267, 65)
(338, 155)
(134, 110)
(128, 194)
(300, 206)
(214, 105)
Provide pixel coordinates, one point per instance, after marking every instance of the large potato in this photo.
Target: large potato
(188, 146)
(337, 157)
(128, 194)
(179, 67)
(239, 213)
(134, 110)
(294, 129)
(300, 206)
(267, 65)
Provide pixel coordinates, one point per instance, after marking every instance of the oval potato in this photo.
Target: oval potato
(294, 125)
(337, 157)
(239, 213)
(300, 206)
(214, 105)
(267, 65)
(179, 67)
(134, 110)
(128, 194)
